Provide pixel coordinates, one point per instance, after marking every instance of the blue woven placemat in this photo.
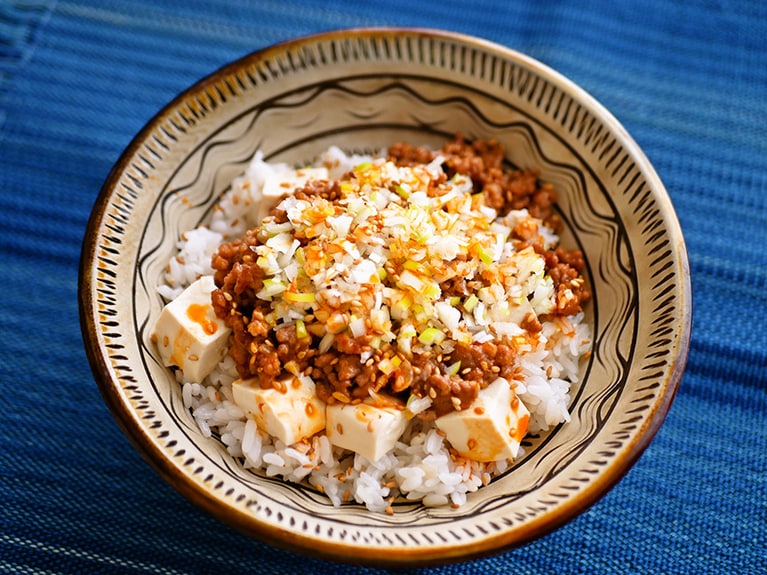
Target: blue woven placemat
(78, 79)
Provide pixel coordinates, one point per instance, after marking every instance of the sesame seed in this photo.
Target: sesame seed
(342, 397)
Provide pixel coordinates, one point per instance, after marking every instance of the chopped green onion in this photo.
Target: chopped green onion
(400, 309)
(263, 263)
(419, 314)
(347, 187)
(454, 368)
(386, 366)
(431, 335)
(413, 266)
(407, 330)
(274, 284)
(272, 229)
(470, 303)
(326, 342)
(484, 255)
(301, 332)
(294, 297)
(432, 291)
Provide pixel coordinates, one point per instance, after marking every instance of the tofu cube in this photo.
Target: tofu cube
(370, 428)
(291, 411)
(492, 428)
(189, 335)
(278, 184)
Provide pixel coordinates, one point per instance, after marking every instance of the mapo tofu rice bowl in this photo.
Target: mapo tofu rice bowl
(378, 327)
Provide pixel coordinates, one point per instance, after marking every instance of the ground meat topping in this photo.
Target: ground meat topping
(483, 161)
(565, 268)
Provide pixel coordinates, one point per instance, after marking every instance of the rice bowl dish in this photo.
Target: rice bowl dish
(148, 248)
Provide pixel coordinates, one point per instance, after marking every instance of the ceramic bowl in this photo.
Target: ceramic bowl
(363, 89)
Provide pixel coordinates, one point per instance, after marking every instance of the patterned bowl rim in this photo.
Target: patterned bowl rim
(349, 552)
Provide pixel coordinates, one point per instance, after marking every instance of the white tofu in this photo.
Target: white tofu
(291, 412)
(492, 428)
(277, 184)
(188, 333)
(369, 428)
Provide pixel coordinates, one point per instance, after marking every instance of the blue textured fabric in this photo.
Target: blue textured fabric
(79, 78)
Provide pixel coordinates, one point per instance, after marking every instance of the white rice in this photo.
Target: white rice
(420, 467)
